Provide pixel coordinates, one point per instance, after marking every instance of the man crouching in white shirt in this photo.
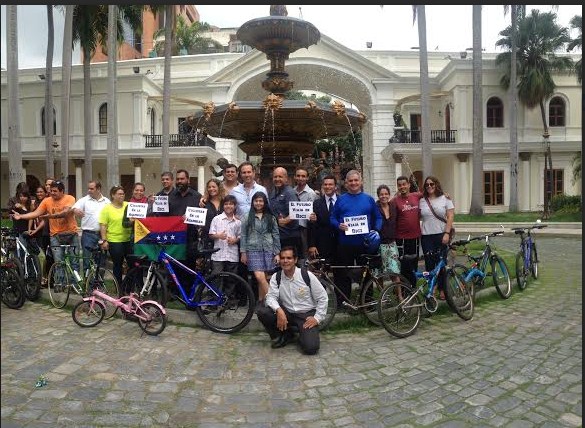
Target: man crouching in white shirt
(293, 304)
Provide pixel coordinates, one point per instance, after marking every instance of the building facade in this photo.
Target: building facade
(377, 83)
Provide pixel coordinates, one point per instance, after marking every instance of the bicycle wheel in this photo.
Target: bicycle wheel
(32, 277)
(501, 277)
(458, 296)
(331, 303)
(59, 284)
(157, 322)
(534, 262)
(12, 289)
(104, 281)
(399, 310)
(370, 295)
(135, 281)
(225, 313)
(462, 271)
(88, 314)
(521, 275)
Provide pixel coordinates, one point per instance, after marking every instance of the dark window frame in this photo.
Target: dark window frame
(494, 113)
(43, 132)
(557, 112)
(493, 188)
(103, 118)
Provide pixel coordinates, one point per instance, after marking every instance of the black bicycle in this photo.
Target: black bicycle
(527, 256)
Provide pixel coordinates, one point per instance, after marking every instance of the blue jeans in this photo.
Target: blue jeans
(58, 252)
(89, 242)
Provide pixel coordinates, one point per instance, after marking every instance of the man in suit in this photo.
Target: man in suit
(321, 236)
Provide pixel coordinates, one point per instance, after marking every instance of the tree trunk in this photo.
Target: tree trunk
(166, 117)
(49, 118)
(66, 93)
(87, 117)
(427, 151)
(14, 144)
(112, 163)
(476, 207)
(513, 115)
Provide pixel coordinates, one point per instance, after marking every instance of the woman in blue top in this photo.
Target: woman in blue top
(260, 242)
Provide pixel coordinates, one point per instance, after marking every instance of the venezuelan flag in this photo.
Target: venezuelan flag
(170, 231)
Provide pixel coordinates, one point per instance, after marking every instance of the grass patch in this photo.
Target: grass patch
(525, 217)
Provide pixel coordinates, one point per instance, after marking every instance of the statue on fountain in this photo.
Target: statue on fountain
(278, 10)
(222, 163)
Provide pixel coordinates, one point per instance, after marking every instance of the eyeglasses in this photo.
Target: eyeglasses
(429, 184)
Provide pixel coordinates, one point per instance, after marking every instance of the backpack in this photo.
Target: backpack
(304, 274)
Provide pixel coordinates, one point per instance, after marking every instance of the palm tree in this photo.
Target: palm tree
(49, 131)
(66, 93)
(539, 38)
(166, 116)
(577, 23)
(113, 173)
(476, 207)
(515, 12)
(189, 39)
(14, 144)
(418, 11)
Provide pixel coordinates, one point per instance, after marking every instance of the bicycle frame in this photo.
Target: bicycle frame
(169, 261)
(526, 248)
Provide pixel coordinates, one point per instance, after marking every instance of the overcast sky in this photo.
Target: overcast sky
(388, 27)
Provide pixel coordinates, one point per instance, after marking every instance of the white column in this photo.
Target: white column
(524, 184)
(462, 194)
(137, 169)
(24, 165)
(397, 166)
(201, 175)
(79, 178)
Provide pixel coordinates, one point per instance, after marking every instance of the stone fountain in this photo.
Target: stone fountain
(276, 129)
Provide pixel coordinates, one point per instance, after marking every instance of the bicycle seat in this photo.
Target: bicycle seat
(518, 231)
(409, 257)
(370, 257)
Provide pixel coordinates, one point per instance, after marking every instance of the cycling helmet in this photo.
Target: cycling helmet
(372, 242)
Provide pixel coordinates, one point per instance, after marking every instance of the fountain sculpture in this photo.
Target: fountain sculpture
(277, 129)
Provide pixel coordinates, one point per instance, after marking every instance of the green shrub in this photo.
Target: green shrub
(566, 203)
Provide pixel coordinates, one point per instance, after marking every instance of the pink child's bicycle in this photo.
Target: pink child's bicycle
(151, 316)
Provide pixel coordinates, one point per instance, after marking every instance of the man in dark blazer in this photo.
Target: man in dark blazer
(321, 236)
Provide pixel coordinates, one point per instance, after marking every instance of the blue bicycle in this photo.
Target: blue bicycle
(527, 257)
(477, 273)
(224, 302)
(400, 305)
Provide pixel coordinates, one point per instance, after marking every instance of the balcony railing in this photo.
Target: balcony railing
(179, 140)
(406, 136)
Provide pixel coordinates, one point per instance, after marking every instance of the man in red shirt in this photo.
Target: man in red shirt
(407, 226)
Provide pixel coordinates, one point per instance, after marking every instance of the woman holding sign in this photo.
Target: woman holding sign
(260, 242)
(115, 238)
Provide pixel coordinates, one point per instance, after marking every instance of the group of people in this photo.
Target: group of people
(255, 232)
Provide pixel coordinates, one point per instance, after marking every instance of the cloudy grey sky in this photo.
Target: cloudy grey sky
(388, 27)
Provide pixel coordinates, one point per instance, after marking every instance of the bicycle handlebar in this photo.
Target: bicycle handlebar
(528, 228)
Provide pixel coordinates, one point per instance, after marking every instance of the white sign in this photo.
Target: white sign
(160, 204)
(136, 210)
(298, 210)
(197, 216)
(356, 225)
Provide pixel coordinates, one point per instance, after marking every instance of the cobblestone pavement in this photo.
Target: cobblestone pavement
(518, 363)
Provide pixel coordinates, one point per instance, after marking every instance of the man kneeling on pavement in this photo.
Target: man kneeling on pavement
(294, 305)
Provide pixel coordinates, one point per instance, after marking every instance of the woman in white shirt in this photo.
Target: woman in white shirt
(437, 213)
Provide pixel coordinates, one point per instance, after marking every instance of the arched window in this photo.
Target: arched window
(152, 121)
(43, 121)
(103, 118)
(556, 112)
(495, 113)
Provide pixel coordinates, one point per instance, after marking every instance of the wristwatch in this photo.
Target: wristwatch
(101, 241)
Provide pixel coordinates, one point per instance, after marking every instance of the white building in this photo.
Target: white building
(375, 82)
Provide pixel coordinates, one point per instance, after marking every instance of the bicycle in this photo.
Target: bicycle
(475, 274)
(527, 256)
(400, 306)
(12, 288)
(151, 316)
(370, 287)
(219, 309)
(27, 263)
(63, 278)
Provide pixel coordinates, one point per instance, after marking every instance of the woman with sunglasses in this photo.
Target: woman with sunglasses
(437, 213)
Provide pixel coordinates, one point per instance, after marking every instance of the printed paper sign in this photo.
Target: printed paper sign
(136, 210)
(298, 210)
(356, 225)
(197, 216)
(160, 204)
